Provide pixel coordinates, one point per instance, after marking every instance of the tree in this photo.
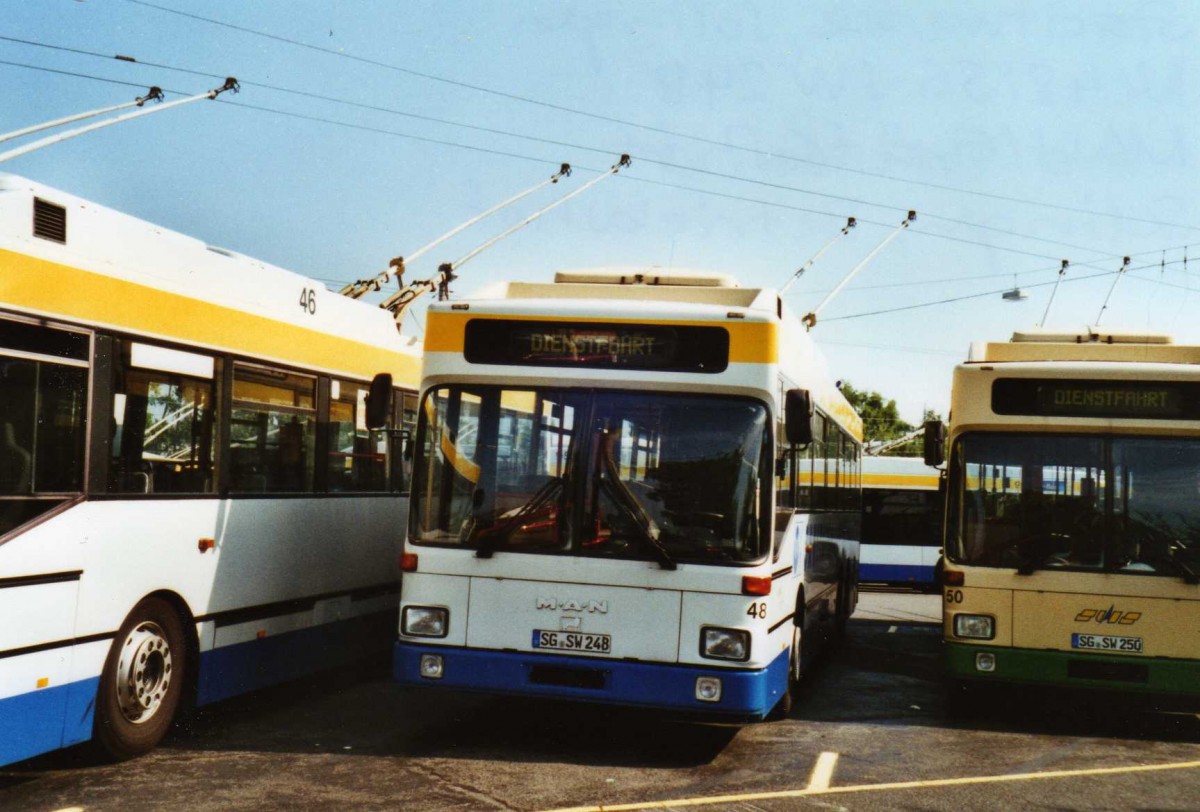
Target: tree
(882, 422)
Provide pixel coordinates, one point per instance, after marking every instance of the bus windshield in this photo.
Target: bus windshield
(1115, 504)
(659, 477)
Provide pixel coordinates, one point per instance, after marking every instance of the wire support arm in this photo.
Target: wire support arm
(810, 318)
(1061, 273)
(399, 302)
(361, 287)
(153, 94)
(1120, 273)
(850, 224)
(231, 84)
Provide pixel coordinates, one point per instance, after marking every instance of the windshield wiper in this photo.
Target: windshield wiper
(1190, 576)
(1044, 545)
(489, 537)
(648, 531)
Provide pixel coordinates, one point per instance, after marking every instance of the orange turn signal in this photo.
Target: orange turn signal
(953, 577)
(755, 585)
(206, 544)
(408, 562)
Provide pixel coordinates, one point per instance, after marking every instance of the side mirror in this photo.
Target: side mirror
(935, 442)
(379, 401)
(797, 416)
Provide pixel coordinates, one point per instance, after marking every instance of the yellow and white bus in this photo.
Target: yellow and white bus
(631, 487)
(191, 504)
(1073, 514)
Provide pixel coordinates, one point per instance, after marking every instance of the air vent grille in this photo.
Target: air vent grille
(49, 221)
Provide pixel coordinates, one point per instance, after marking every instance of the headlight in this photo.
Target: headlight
(424, 621)
(724, 644)
(976, 627)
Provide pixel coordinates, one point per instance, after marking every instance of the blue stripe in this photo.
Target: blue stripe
(243, 667)
(896, 573)
(744, 694)
(45, 720)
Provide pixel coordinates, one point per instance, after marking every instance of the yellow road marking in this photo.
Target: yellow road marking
(940, 782)
(822, 773)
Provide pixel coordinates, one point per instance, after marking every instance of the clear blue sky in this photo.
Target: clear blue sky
(1083, 107)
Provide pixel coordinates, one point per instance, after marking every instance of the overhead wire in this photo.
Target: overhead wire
(964, 298)
(650, 128)
(669, 164)
(530, 158)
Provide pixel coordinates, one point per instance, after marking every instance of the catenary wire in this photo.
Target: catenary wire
(571, 145)
(647, 127)
(534, 159)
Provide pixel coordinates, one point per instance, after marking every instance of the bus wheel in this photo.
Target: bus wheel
(791, 691)
(142, 681)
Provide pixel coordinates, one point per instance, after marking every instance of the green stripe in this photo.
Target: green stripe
(1050, 668)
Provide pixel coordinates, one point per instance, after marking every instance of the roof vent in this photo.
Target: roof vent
(49, 221)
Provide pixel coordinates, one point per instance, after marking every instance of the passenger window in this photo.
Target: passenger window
(272, 431)
(43, 413)
(162, 429)
(357, 456)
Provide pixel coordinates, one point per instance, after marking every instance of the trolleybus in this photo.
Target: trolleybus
(191, 504)
(1073, 515)
(630, 487)
(902, 521)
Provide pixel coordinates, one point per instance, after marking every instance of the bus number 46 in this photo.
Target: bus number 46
(308, 300)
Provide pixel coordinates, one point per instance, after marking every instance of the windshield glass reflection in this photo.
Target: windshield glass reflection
(1091, 503)
(658, 477)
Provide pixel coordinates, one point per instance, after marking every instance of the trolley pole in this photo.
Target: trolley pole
(359, 288)
(810, 318)
(230, 84)
(153, 94)
(1120, 273)
(1061, 272)
(850, 223)
(399, 302)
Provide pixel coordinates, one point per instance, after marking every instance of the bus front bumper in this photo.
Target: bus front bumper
(1151, 677)
(745, 695)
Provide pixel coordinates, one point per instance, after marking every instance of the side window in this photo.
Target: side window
(162, 426)
(43, 414)
(357, 456)
(272, 430)
(401, 445)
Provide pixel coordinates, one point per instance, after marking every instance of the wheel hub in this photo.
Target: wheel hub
(143, 672)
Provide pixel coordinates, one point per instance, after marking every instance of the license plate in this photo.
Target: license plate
(1105, 642)
(572, 641)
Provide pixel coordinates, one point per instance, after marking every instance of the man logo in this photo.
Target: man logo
(600, 607)
(1108, 615)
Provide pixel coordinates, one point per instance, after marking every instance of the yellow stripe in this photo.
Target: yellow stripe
(752, 342)
(91, 298)
(942, 782)
(901, 480)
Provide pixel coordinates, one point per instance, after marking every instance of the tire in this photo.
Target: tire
(142, 682)
(791, 691)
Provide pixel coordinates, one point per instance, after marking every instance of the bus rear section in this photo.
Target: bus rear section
(595, 507)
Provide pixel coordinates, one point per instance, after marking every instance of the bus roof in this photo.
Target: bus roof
(75, 260)
(1085, 344)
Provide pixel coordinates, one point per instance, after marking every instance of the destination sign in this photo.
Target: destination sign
(593, 345)
(1146, 400)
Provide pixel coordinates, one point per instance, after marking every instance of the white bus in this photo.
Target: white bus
(902, 521)
(630, 487)
(1073, 516)
(191, 504)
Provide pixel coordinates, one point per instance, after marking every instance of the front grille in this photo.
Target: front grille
(1114, 672)
(592, 678)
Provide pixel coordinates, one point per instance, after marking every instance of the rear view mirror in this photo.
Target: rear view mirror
(797, 416)
(935, 442)
(379, 401)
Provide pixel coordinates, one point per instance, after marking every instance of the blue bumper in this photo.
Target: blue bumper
(745, 694)
(896, 573)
